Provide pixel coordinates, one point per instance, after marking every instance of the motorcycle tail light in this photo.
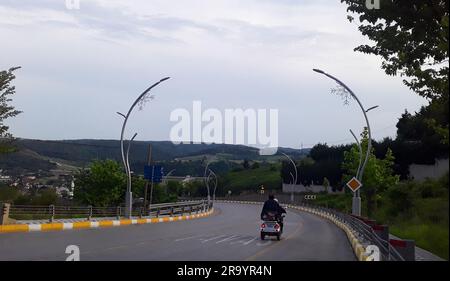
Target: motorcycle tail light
(263, 225)
(277, 226)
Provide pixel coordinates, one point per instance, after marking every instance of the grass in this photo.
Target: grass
(431, 237)
(426, 223)
(341, 202)
(252, 179)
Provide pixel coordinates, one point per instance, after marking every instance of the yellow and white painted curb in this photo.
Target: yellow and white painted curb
(358, 248)
(95, 224)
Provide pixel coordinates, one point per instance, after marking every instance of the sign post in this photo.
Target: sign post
(354, 185)
(154, 174)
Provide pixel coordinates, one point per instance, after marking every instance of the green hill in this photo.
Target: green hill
(34, 155)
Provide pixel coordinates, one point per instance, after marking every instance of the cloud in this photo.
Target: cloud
(226, 53)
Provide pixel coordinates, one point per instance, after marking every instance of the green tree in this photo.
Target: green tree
(174, 187)
(6, 110)
(378, 174)
(412, 39)
(255, 165)
(326, 183)
(102, 184)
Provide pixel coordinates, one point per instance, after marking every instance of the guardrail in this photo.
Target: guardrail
(367, 232)
(52, 212)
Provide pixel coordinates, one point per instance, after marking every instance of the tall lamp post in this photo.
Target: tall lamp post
(360, 153)
(211, 173)
(356, 203)
(294, 178)
(128, 195)
(205, 178)
(167, 175)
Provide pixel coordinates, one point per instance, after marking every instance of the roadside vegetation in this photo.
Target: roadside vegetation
(412, 210)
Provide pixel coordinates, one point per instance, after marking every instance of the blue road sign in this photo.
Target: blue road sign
(153, 173)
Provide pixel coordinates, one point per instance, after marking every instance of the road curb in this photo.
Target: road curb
(358, 249)
(95, 224)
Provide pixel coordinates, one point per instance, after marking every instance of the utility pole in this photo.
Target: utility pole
(149, 161)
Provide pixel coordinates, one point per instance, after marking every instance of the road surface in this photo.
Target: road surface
(231, 233)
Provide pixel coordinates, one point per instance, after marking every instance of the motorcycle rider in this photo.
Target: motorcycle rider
(271, 208)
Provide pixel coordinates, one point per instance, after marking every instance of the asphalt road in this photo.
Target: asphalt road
(231, 233)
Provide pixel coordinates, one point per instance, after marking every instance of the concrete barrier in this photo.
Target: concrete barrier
(95, 224)
(406, 248)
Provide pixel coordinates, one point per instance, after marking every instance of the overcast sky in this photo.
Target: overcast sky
(81, 66)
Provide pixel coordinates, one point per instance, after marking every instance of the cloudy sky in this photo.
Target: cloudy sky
(81, 66)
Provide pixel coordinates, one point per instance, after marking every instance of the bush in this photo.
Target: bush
(401, 199)
(8, 194)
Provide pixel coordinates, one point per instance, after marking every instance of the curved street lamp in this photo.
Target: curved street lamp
(356, 208)
(168, 174)
(211, 173)
(142, 97)
(294, 178)
(360, 153)
(205, 179)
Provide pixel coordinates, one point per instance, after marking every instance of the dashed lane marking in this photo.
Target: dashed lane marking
(228, 239)
(187, 238)
(213, 238)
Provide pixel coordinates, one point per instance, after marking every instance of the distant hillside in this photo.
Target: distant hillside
(33, 155)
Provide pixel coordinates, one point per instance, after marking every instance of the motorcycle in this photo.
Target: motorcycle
(272, 225)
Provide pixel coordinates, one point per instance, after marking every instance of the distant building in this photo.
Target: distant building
(421, 172)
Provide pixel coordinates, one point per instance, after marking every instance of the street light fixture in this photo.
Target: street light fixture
(356, 204)
(373, 107)
(141, 98)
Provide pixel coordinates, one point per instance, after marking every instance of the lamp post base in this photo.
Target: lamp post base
(356, 206)
(128, 204)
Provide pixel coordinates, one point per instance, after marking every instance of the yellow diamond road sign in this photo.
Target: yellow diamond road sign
(354, 184)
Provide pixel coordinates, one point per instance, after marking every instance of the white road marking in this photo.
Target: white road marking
(250, 241)
(228, 239)
(207, 240)
(187, 238)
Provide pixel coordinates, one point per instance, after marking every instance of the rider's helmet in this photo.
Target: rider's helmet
(276, 199)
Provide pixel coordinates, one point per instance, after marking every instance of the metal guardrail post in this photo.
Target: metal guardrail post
(118, 212)
(171, 211)
(52, 212)
(4, 213)
(158, 212)
(90, 213)
(141, 212)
